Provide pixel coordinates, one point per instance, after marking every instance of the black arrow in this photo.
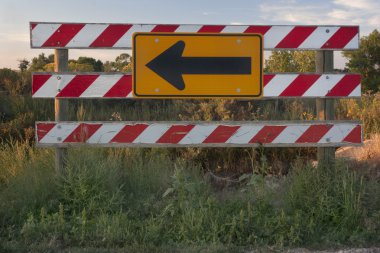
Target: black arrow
(170, 65)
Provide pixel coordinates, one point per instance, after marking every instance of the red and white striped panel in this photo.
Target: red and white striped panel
(94, 85)
(100, 85)
(200, 134)
(80, 35)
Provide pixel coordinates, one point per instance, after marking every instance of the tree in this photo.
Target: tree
(23, 64)
(97, 65)
(366, 61)
(291, 61)
(38, 63)
(122, 63)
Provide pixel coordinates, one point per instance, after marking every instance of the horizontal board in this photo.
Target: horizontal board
(101, 85)
(119, 36)
(199, 134)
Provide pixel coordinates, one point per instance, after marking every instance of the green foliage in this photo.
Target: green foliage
(366, 61)
(290, 61)
(38, 63)
(122, 63)
(366, 110)
(143, 200)
(12, 82)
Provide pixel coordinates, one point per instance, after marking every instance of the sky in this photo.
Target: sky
(15, 16)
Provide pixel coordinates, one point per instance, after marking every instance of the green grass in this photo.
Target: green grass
(167, 200)
(149, 200)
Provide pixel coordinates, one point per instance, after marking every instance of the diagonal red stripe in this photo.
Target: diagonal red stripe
(33, 25)
(175, 134)
(38, 81)
(296, 36)
(165, 28)
(83, 132)
(221, 134)
(121, 88)
(63, 35)
(77, 86)
(342, 37)
(129, 133)
(258, 29)
(345, 86)
(43, 129)
(300, 85)
(268, 78)
(110, 35)
(355, 136)
(211, 28)
(267, 134)
(314, 133)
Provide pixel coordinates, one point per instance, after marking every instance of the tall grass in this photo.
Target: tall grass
(146, 200)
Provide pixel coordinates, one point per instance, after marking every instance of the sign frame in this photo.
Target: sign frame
(197, 96)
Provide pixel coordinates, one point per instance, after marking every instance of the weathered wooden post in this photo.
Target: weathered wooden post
(61, 58)
(325, 106)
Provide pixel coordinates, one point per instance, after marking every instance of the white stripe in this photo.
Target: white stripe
(101, 86)
(323, 85)
(319, 37)
(106, 133)
(278, 84)
(357, 92)
(88, 34)
(52, 85)
(48, 89)
(244, 134)
(42, 32)
(59, 133)
(234, 29)
(198, 134)
(188, 28)
(291, 134)
(337, 133)
(275, 35)
(126, 40)
(152, 133)
(354, 43)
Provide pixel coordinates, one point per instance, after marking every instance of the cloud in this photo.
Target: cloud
(364, 13)
(293, 13)
(358, 4)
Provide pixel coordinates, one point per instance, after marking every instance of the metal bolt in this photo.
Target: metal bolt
(327, 30)
(59, 90)
(238, 90)
(328, 139)
(156, 40)
(59, 139)
(58, 43)
(238, 41)
(58, 31)
(157, 90)
(58, 77)
(327, 43)
(59, 127)
(327, 77)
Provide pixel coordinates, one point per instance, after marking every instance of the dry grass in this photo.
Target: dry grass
(366, 158)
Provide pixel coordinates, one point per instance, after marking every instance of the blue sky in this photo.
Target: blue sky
(15, 16)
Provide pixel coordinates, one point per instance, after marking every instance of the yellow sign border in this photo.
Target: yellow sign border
(167, 96)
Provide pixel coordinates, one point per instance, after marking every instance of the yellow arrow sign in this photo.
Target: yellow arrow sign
(194, 65)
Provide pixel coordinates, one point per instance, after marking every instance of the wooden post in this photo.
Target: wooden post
(325, 106)
(61, 58)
